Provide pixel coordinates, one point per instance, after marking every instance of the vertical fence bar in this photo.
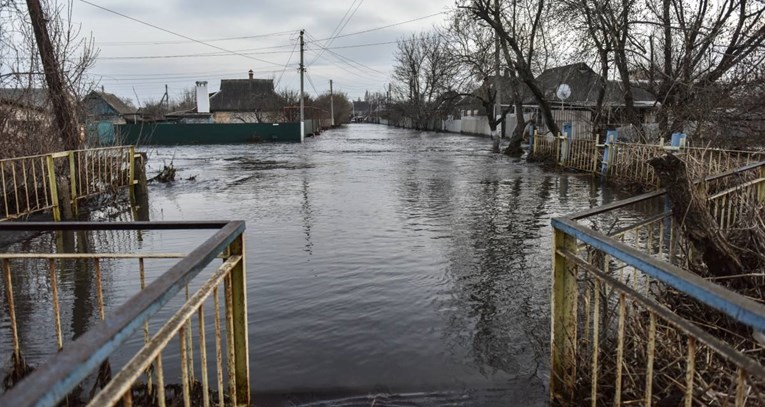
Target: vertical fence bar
(620, 352)
(73, 181)
(53, 188)
(564, 320)
(218, 350)
(231, 359)
(184, 367)
(56, 311)
(26, 184)
(11, 309)
(239, 298)
(595, 343)
(690, 372)
(740, 387)
(160, 382)
(5, 194)
(650, 352)
(99, 289)
(203, 357)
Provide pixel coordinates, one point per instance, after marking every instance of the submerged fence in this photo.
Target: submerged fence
(186, 360)
(34, 184)
(628, 162)
(631, 324)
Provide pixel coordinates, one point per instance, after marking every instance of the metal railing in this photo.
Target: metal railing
(632, 325)
(171, 297)
(31, 184)
(628, 162)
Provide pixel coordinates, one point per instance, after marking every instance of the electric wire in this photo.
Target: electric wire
(246, 37)
(176, 34)
(339, 28)
(286, 65)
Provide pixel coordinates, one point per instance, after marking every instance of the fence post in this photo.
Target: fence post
(239, 302)
(562, 149)
(131, 172)
(53, 188)
(564, 321)
(73, 181)
(761, 187)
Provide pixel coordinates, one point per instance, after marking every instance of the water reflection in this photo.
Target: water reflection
(379, 260)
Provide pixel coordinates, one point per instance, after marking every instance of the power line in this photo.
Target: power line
(311, 83)
(243, 51)
(247, 37)
(386, 26)
(176, 34)
(339, 28)
(286, 65)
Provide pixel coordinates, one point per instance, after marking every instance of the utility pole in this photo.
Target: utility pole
(302, 102)
(63, 112)
(497, 86)
(167, 99)
(331, 104)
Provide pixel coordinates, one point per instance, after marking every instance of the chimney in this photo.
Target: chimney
(203, 98)
(250, 73)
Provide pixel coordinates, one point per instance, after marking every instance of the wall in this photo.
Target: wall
(217, 133)
(476, 125)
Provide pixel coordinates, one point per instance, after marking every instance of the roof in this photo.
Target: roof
(242, 95)
(113, 101)
(584, 84)
(30, 97)
(361, 106)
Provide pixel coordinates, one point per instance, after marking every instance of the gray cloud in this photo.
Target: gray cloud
(207, 20)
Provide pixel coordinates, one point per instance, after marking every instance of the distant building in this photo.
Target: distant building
(103, 111)
(23, 114)
(575, 112)
(245, 101)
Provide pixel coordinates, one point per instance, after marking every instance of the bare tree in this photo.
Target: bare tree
(472, 47)
(423, 77)
(519, 26)
(709, 51)
(22, 70)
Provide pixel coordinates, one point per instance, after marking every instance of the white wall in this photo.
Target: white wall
(203, 98)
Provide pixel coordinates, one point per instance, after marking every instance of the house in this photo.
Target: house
(580, 86)
(103, 111)
(23, 113)
(248, 100)
(103, 106)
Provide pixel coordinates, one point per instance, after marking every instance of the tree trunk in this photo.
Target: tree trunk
(689, 209)
(63, 111)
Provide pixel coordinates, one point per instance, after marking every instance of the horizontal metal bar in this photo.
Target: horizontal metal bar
(618, 204)
(656, 194)
(736, 188)
(124, 379)
(684, 325)
(54, 379)
(165, 225)
(67, 256)
(642, 223)
(734, 305)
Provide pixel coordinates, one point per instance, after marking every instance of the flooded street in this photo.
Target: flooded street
(383, 260)
(408, 267)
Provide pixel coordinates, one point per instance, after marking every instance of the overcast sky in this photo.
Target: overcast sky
(272, 27)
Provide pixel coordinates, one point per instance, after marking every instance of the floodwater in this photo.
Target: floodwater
(406, 267)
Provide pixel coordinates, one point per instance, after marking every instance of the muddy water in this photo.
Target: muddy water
(408, 267)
